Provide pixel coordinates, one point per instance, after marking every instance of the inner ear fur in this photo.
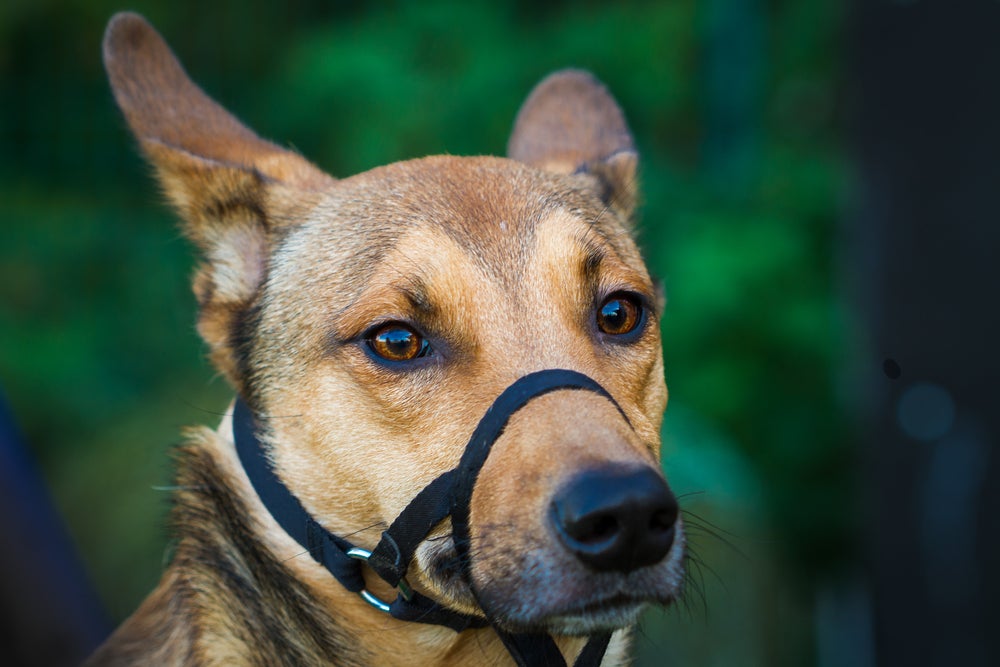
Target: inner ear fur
(570, 124)
(234, 191)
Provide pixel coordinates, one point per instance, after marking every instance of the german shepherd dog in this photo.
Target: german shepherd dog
(368, 326)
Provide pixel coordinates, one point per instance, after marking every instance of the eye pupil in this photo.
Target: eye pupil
(614, 314)
(396, 342)
(619, 315)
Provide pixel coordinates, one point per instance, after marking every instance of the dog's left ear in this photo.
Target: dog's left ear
(570, 124)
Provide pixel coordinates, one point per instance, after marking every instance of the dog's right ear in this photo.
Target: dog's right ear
(233, 189)
(570, 124)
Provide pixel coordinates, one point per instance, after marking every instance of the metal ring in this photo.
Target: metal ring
(403, 587)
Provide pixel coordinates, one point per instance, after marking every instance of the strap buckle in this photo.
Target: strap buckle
(403, 586)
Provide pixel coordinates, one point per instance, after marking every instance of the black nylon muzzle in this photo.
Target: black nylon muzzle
(448, 495)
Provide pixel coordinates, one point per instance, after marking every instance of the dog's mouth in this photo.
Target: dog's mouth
(577, 606)
(444, 575)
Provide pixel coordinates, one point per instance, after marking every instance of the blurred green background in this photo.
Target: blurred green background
(734, 105)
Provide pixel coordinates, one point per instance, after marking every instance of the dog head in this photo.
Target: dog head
(371, 321)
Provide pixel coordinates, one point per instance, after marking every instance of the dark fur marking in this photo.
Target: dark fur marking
(228, 207)
(593, 256)
(605, 188)
(242, 339)
(231, 579)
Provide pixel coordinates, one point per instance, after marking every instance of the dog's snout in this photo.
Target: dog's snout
(616, 519)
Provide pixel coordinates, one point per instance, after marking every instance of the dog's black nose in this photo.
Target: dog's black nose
(616, 518)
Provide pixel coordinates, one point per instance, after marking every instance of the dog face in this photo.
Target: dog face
(371, 321)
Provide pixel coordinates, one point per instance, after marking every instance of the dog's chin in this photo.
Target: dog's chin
(600, 616)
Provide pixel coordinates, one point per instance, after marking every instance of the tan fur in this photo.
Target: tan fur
(501, 262)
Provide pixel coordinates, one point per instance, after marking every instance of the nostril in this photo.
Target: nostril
(664, 514)
(593, 529)
(661, 521)
(616, 518)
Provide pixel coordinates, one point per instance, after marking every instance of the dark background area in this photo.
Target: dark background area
(820, 184)
(926, 138)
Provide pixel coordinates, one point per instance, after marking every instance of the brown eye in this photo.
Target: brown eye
(619, 315)
(397, 342)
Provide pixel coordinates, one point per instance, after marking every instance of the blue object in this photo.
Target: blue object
(49, 613)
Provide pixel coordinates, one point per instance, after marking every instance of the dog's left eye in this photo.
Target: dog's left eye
(397, 342)
(620, 314)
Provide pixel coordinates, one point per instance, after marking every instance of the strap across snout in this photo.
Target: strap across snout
(448, 495)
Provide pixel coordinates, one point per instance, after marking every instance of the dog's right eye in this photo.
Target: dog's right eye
(397, 342)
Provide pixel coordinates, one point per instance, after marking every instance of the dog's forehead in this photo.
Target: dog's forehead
(490, 207)
(477, 200)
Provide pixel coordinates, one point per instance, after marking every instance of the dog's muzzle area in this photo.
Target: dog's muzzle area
(609, 544)
(573, 532)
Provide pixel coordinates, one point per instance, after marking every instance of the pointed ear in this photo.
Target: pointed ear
(164, 107)
(570, 124)
(233, 189)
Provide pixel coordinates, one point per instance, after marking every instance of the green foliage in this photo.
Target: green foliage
(733, 108)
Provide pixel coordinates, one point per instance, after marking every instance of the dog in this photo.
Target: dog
(368, 327)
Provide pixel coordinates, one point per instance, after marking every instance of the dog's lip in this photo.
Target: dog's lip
(610, 603)
(580, 605)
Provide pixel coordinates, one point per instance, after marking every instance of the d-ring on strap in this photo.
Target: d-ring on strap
(449, 494)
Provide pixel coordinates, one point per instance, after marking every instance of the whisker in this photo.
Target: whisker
(214, 413)
(694, 526)
(378, 524)
(297, 555)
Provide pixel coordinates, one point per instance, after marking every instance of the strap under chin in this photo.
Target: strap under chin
(532, 650)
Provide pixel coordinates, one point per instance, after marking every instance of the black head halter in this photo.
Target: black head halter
(448, 495)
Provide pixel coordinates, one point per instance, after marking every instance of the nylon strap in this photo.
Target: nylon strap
(326, 548)
(392, 556)
(532, 650)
